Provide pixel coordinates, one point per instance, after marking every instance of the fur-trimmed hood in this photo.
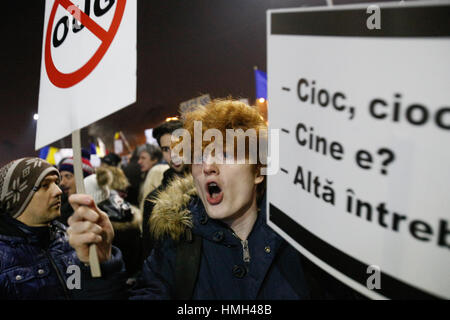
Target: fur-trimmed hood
(170, 215)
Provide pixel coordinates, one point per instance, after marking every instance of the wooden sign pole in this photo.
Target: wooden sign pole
(78, 172)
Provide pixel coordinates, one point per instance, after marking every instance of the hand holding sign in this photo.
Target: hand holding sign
(88, 225)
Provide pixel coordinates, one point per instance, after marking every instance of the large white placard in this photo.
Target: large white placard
(364, 144)
(88, 71)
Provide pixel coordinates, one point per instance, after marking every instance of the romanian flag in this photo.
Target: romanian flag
(48, 154)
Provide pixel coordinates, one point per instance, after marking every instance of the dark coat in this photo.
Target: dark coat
(147, 240)
(274, 270)
(134, 175)
(34, 261)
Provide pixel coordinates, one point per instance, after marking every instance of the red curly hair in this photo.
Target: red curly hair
(223, 114)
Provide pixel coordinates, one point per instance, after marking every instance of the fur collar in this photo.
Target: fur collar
(170, 215)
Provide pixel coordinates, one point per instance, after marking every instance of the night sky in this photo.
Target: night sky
(185, 49)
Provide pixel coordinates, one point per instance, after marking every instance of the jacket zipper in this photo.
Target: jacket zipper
(62, 282)
(246, 252)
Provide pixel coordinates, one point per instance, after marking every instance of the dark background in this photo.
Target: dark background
(185, 49)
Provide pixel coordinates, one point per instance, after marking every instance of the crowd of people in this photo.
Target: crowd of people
(164, 229)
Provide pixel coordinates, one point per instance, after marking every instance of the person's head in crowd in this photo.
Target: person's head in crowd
(149, 155)
(65, 168)
(29, 191)
(229, 192)
(119, 181)
(98, 184)
(111, 159)
(163, 135)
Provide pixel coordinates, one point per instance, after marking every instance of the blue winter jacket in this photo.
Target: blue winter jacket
(263, 267)
(34, 261)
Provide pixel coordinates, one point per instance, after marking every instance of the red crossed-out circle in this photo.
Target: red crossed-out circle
(67, 80)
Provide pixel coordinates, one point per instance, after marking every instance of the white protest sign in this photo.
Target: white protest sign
(88, 70)
(118, 146)
(364, 112)
(190, 105)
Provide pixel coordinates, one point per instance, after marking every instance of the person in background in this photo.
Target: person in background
(163, 135)
(149, 156)
(152, 181)
(68, 185)
(34, 251)
(120, 182)
(134, 176)
(111, 159)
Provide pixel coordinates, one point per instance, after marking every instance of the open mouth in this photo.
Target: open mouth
(214, 194)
